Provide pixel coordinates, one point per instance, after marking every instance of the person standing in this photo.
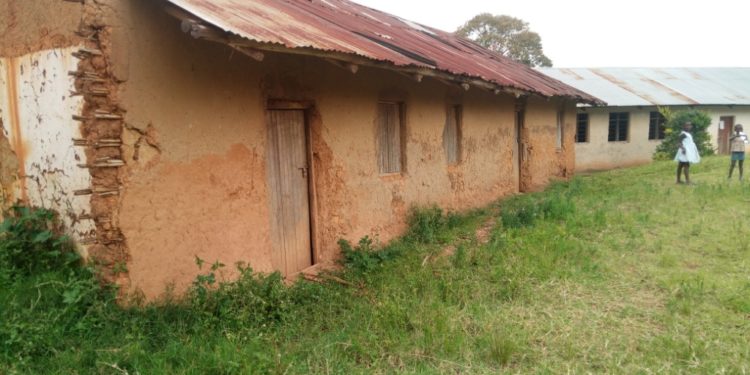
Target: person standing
(686, 154)
(737, 148)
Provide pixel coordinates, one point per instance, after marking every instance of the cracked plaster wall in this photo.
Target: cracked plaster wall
(36, 111)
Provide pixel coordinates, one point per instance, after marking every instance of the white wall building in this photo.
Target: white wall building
(627, 131)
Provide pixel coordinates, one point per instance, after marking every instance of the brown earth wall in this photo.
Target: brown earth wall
(8, 171)
(546, 161)
(195, 185)
(33, 25)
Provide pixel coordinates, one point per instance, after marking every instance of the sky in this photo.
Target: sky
(606, 33)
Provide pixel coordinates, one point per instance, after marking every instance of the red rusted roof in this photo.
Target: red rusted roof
(345, 27)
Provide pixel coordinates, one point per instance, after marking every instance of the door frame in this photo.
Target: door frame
(307, 106)
(729, 130)
(519, 119)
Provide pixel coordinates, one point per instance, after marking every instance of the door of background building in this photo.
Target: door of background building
(288, 175)
(725, 131)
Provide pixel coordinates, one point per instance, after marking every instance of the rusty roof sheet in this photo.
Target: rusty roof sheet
(660, 86)
(342, 26)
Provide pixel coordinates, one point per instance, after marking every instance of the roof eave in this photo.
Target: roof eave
(201, 28)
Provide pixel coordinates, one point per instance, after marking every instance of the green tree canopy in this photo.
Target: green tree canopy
(508, 36)
(673, 127)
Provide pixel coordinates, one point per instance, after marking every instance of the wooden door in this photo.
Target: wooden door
(724, 133)
(288, 172)
(522, 144)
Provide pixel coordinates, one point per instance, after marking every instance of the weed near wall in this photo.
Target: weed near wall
(524, 211)
(46, 292)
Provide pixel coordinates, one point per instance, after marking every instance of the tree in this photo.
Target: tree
(673, 127)
(508, 36)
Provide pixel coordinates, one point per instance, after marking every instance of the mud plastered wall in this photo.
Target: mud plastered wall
(197, 187)
(65, 125)
(36, 110)
(546, 160)
(27, 27)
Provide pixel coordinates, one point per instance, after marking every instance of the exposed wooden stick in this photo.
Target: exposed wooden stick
(90, 51)
(109, 163)
(424, 261)
(97, 191)
(101, 143)
(353, 68)
(252, 53)
(186, 25)
(93, 92)
(101, 116)
(415, 76)
(83, 192)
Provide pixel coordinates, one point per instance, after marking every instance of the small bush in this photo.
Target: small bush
(30, 243)
(47, 293)
(426, 224)
(525, 211)
(252, 300)
(365, 257)
(700, 120)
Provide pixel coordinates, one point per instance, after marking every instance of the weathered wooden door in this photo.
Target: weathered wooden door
(288, 172)
(725, 131)
(522, 144)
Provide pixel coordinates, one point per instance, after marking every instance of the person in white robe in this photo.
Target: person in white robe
(687, 153)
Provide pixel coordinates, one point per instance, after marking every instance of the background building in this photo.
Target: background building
(627, 130)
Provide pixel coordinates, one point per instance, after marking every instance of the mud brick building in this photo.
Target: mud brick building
(258, 131)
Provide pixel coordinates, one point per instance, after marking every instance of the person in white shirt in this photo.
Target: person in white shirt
(737, 147)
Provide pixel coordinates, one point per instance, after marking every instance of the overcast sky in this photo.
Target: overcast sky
(600, 33)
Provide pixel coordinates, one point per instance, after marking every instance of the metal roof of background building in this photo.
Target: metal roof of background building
(344, 27)
(660, 86)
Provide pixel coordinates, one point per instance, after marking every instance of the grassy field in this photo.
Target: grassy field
(615, 272)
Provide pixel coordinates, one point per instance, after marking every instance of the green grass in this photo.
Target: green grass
(614, 272)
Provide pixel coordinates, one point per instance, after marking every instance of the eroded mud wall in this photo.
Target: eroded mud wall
(39, 163)
(195, 183)
(37, 111)
(61, 118)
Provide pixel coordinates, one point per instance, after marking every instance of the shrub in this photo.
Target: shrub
(365, 257)
(47, 294)
(252, 300)
(30, 243)
(425, 224)
(700, 120)
(524, 211)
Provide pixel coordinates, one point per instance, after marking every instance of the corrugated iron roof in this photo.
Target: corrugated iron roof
(341, 26)
(660, 86)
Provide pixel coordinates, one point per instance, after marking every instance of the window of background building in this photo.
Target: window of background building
(582, 127)
(656, 126)
(619, 122)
